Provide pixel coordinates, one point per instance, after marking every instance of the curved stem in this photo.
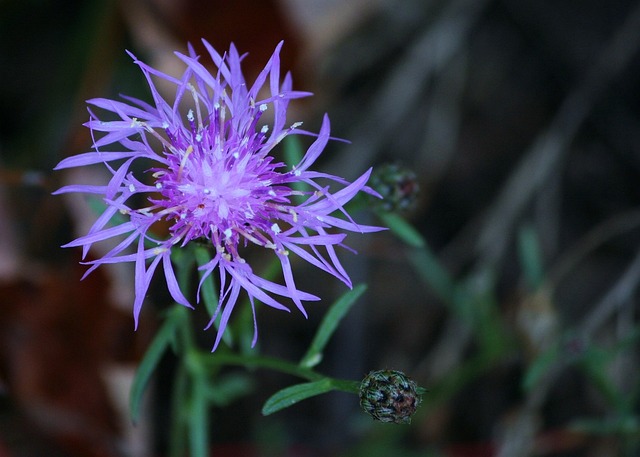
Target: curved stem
(256, 361)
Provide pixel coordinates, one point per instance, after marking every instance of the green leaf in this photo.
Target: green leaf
(530, 256)
(402, 229)
(539, 367)
(229, 388)
(291, 395)
(429, 268)
(154, 353)
(329, 323)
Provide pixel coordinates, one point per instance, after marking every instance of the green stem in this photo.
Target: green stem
(198, 419)
(256, 361)
(191, 377)
(352, 387)
(177, 431)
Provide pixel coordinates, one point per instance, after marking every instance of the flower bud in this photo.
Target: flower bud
(389, 396)
(397, 185)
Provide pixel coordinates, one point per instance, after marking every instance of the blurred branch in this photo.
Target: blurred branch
(552, 146)
(621, 292)
(427, 55)
(544, 155)
(597, 236)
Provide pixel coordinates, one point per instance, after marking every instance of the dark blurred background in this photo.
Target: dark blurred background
(521, 122)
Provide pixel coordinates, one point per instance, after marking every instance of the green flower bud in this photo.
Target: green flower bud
(389, 396)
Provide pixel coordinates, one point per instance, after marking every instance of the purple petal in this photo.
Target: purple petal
(123, 110)
(142, 279)
(87, 189)
(290, 282)
(172, 282)
(217, 60)
(226, 313)
(317, 147)
(102, 235)
(255, 291)
(91, 158)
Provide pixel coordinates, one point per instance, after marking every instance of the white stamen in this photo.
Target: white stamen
(227, 233)
(275, 228)
(158, 185)
(190, 117)
(132, 188)
(295, 125)
(207, 191)
(264, 129)
(263, 107)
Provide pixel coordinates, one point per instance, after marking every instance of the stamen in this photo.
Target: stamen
(294, 214)
(183, 162)
(197, 104)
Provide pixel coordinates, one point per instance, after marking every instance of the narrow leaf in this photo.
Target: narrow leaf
(539, 367)
(293, 394)
(329, 324)
(530, 256)
(402, 229)
(149, 363)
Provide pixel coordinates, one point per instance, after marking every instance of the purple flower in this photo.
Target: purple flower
(214, 180)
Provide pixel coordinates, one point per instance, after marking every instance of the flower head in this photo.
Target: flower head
(390, 396)
(211, 176)
(398, 186)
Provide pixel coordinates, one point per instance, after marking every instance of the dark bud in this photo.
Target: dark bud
(389, 396)
(397, 185)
